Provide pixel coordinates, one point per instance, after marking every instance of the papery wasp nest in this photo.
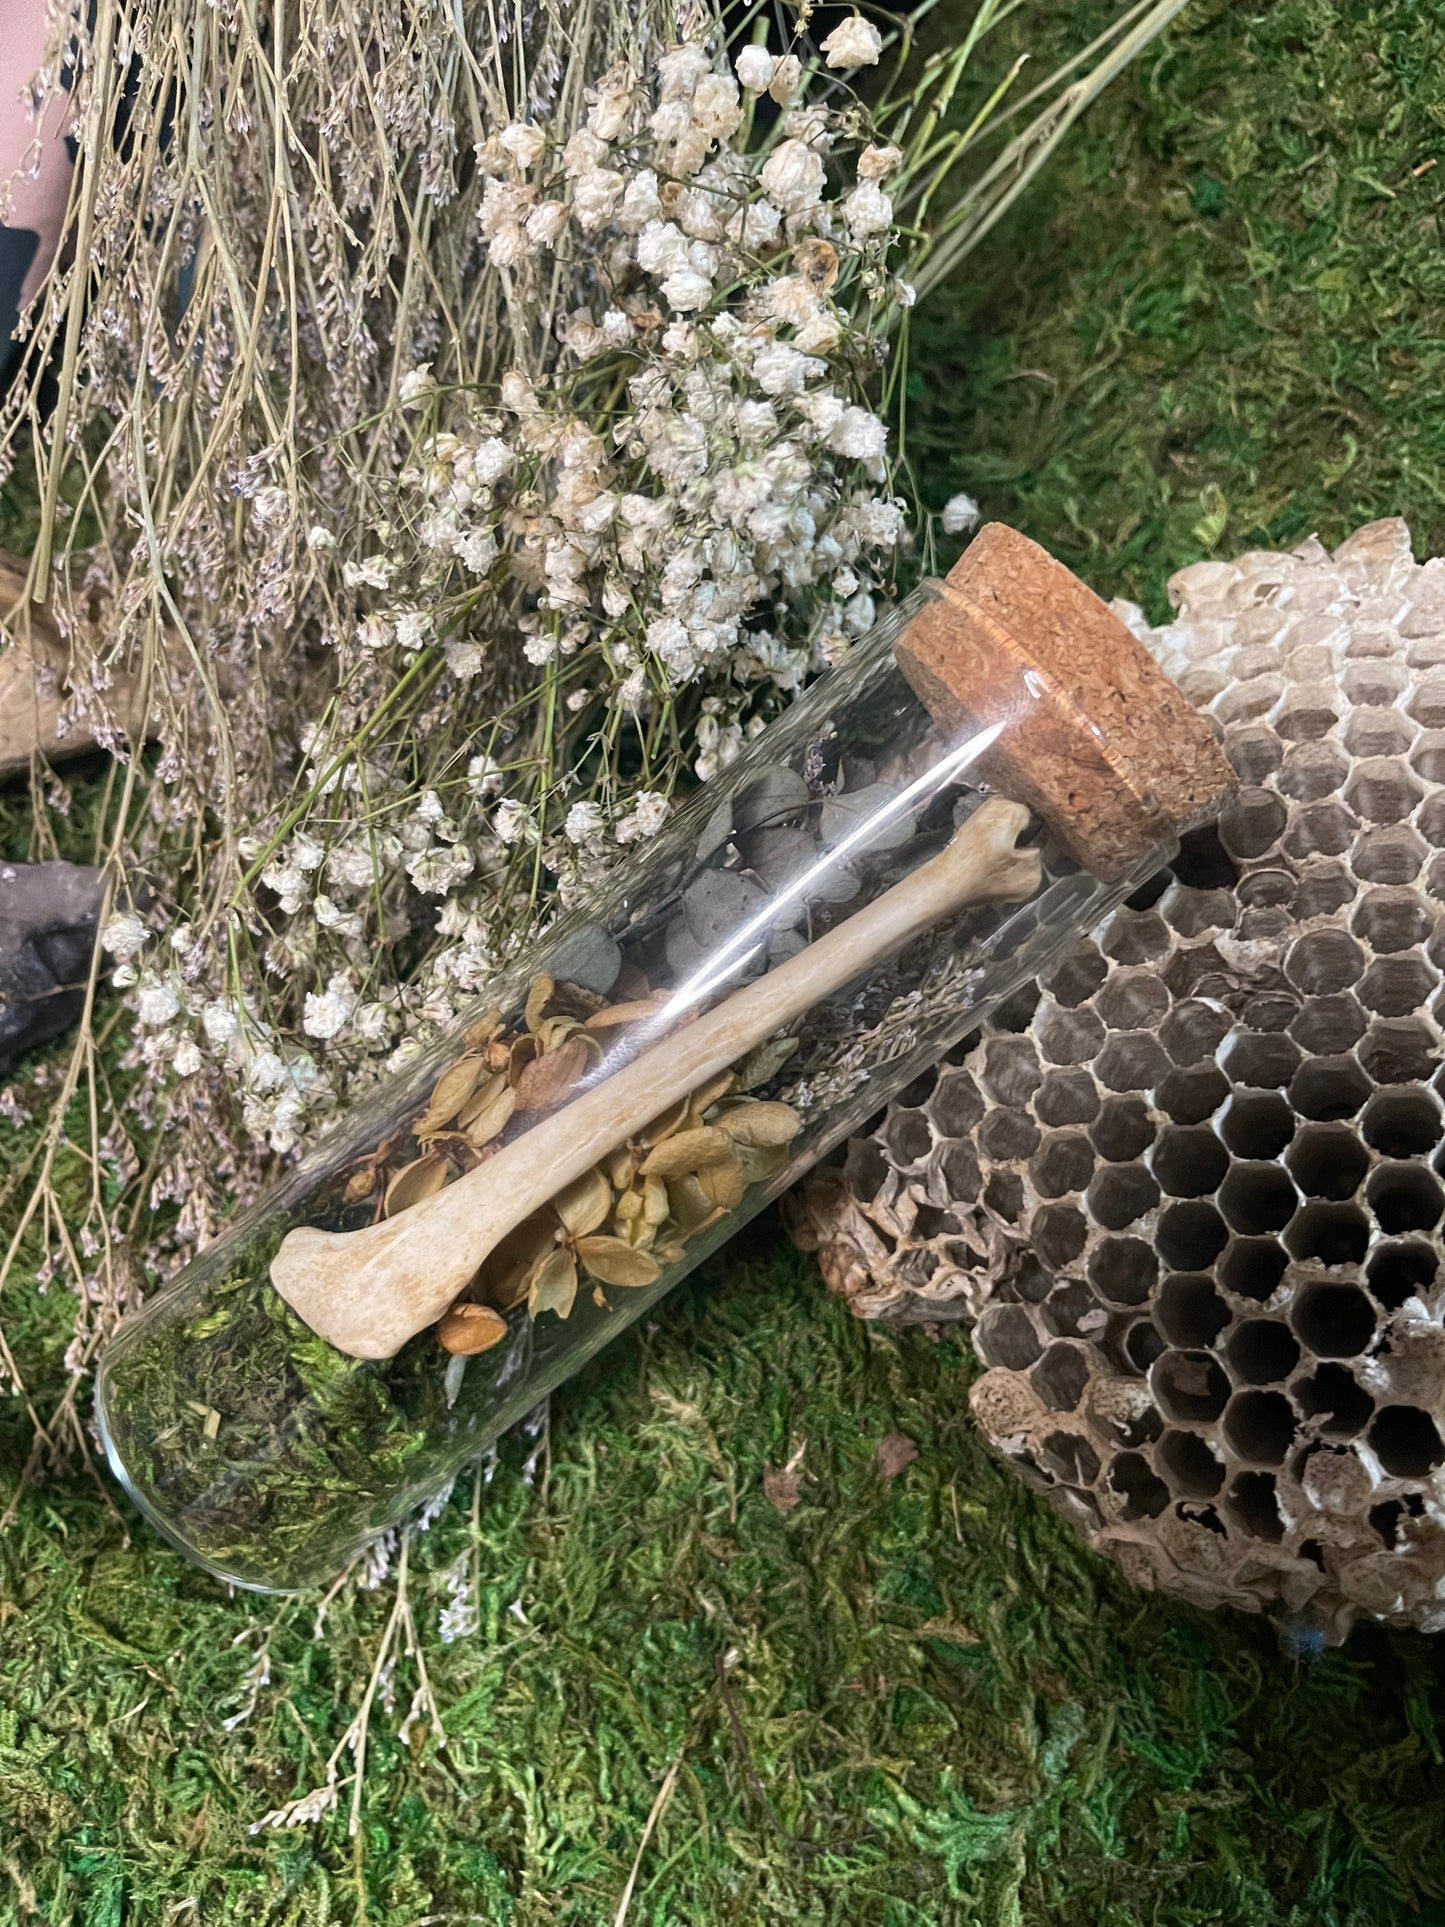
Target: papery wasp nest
(1190, 1187)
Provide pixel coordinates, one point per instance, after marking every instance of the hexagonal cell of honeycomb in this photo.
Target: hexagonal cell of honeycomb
(1209, 1159)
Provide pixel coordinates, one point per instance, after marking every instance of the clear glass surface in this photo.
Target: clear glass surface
(272, 1458)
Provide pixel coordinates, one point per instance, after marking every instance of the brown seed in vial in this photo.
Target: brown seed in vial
(468, 1329)
(760, 1124)
(554, 1031)
(479, 1034)
(507, 1272)
(761, 1163)
(456, 1147)
(486, 1094)
(688, 1204)
(667, 1123)
(717, 1088)
(572, 1000)
(612, 1015)
(521, 1052)
(622, 1167)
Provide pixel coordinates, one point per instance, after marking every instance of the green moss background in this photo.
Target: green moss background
(1215, 322)
(910, 1701)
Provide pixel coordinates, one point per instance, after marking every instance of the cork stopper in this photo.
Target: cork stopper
(1099, 742)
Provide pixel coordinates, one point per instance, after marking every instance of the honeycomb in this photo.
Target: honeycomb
(1189, 1188)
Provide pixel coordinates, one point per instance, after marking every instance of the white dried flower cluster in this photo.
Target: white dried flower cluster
(855, 43)
(959, 515)
(670, 502)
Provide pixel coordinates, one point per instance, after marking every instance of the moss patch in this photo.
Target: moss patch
(1216, 322)
(938, 1707)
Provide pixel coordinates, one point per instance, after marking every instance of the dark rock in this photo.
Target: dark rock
(48, 914)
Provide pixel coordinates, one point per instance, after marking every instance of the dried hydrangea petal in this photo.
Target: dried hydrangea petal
(687, 1152)
(584, 1205)
(763, 1064)
(632, 1012)
(688, 1204)
(420, 1179)
(507, 1274)
(484, 1094)
(722, 1181)
(450, 1093)
(490, 1119)
(553, 1032)
(538, 998)
(479, 1033)
(613, 1262)
(759, 1122)
(552, 1285)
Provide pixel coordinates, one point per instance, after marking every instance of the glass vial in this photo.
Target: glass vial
(746, 989)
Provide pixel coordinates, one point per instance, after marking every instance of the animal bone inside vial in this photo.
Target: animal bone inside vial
(810, 933)
(1271, 1274)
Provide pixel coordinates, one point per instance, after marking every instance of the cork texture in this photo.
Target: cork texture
(1100, 742)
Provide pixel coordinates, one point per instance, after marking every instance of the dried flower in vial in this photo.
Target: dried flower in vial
(468, 1329)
